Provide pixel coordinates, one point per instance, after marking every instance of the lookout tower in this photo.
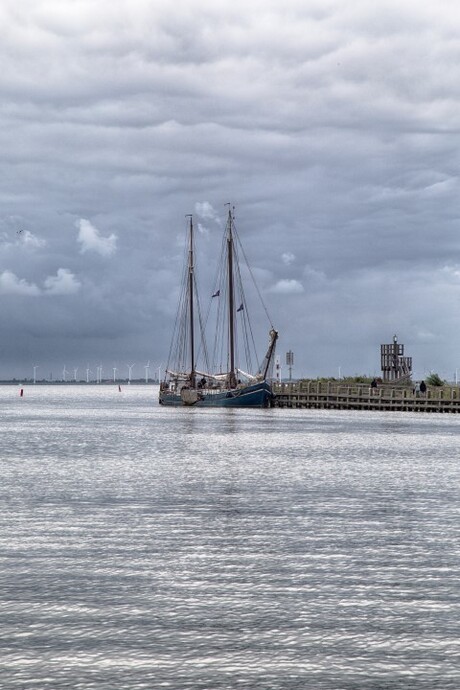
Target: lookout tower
(395, 367)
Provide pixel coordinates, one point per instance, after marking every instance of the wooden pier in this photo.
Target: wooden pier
(342, 396)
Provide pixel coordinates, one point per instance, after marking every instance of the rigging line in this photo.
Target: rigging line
(217, 287)
(221, 283)
(173, 348)
(182, 331)
(252, 276)
(244, 315)
(246, 322)
(222, 342)
(220, 345)
(203, 323)
(246, 326)
(202, 345)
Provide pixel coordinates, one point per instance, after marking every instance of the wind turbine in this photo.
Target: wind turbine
(114, 373)
(147, 367)
(130, 368)
(75, 374)
(64, 374)
(88, 372)
(99, 373)
(35, 373)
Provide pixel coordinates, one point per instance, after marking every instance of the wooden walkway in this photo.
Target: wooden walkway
(334, 396)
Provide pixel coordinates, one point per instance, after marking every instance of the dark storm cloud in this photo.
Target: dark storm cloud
(333, 128)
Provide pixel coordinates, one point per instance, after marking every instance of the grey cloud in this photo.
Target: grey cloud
(287, 286)
(91, 240)
(63, 283)
(10, 284)
(287, 258)
(28, 239)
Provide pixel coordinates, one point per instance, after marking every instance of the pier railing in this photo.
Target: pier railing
(358, 396)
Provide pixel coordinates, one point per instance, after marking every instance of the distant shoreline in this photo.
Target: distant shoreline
(26, 382)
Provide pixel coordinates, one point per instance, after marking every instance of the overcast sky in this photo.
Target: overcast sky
(332, 127)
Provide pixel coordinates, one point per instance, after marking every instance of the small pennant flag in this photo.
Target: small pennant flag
(216, 294)
(241, 307)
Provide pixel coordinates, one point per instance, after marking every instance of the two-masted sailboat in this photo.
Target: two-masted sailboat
(194, 376)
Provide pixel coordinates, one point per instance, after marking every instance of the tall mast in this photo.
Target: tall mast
(190, 290)
(231, 302)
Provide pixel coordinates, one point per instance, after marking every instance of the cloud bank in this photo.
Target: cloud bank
(331, 128)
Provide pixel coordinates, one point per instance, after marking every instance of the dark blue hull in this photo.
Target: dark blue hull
(256, 395)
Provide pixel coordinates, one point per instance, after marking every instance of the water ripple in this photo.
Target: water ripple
(211, 549)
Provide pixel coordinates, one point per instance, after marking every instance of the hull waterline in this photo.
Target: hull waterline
(257, 396)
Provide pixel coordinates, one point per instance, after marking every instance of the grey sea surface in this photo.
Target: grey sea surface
(143, 547)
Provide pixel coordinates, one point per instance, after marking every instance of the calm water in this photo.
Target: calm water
(143, 547)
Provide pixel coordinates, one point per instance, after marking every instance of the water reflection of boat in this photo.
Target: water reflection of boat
(194, 377)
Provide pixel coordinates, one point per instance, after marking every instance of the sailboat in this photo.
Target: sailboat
(196, 378)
